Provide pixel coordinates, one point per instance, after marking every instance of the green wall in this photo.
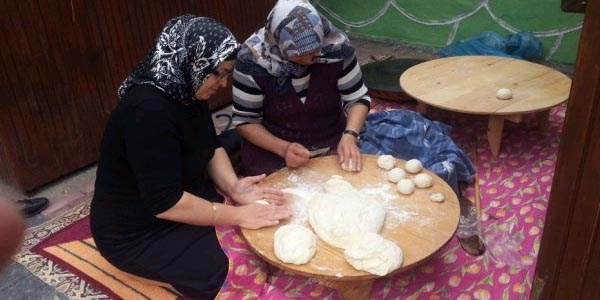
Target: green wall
(438, 23)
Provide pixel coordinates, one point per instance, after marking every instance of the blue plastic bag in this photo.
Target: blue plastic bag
(522, 45)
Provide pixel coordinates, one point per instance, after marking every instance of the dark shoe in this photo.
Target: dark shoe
(468, 232)
(32, 207)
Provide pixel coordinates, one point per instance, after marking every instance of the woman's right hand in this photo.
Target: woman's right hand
(255, 215)
(296, 155)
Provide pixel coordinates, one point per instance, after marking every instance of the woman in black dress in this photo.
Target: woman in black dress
(156, 201)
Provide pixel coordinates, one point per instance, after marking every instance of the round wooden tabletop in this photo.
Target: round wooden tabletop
(469, 83)
(417, 225)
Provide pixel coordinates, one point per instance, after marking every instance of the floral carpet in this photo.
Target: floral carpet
(514, 187)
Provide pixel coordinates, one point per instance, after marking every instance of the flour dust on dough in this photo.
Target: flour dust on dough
(374, 254)
(341, 215)
(423, 180)
(386, 162)
(413, 166)
(294, 244)
(394, 175)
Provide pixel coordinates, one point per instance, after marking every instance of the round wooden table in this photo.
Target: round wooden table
(468, 84)
(417, 225)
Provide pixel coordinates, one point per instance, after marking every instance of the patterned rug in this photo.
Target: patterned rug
(514, 188)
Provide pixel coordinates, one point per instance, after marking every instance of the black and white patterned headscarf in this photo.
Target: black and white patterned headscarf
(187, 50)
(293, 27)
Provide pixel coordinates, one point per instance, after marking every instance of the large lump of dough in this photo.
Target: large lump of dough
(294, 244)
(374, 254)
(340, 216)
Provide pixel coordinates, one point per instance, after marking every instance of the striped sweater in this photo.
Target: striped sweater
(248, 97)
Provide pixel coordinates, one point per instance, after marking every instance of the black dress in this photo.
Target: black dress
(152, 151)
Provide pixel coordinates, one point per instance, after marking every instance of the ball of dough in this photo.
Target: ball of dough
(395, 174)
(386, 162)
(437, 197)
(504, 94)
(341, 217)
(406, 186)
(374, 254)
(423, 180)
(294, 244)
(413, 166)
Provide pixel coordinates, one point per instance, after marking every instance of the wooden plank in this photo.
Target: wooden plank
(568, 259)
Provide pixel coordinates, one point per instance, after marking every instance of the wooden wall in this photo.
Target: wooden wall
(568, 266)
(61, 63)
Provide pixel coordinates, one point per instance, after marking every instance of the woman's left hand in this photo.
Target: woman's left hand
(247, 190)
(349, 154)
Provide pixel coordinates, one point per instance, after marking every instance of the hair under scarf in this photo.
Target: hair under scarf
(187, 49)
(293, 27)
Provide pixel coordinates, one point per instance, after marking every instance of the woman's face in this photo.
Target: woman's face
(215, 80)
(306, 59)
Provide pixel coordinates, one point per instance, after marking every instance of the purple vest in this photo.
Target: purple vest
(318, 122)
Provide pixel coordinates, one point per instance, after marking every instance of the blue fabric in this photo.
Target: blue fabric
(407, 135)
(521, 45)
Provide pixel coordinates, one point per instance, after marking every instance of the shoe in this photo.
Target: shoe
(32, 207)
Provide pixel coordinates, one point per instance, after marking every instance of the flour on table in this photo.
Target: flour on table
(294, 244)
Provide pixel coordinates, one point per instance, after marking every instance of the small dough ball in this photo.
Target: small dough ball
(437, 197)
(423, 180)
(294, 244)
(263, 202)
(413, 166)
(395, 174)
(504, 94)
(406, 186)
(386, 162)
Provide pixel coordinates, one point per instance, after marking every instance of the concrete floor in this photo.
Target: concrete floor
(17, 283)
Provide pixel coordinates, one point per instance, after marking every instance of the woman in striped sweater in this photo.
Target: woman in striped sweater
(297, 88)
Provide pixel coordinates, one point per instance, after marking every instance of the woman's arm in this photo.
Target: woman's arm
(243, 191)
(294, 154)
(194, 210)
(356, 102)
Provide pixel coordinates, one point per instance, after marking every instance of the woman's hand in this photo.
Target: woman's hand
(247, 190)
(349, 154)
(254, 216)
(296, 155)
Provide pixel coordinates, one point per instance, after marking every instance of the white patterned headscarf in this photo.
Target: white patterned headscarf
(187, 50)
(293, 27)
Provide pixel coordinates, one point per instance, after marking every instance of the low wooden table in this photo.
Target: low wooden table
(468, 84)
(417, 225)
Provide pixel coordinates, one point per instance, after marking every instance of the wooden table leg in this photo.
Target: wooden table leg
(421, 107)
(543, 119)
(494, 134)
(351, 289)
